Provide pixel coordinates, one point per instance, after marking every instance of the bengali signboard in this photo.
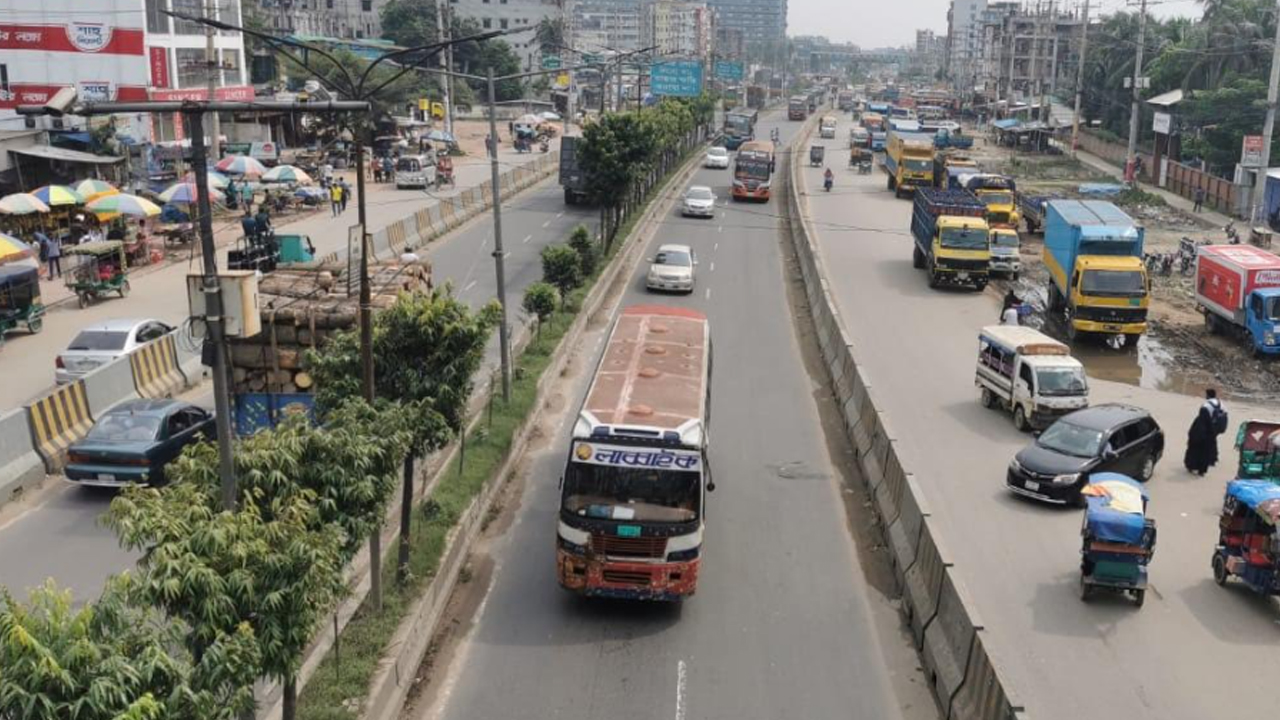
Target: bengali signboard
(1251, 153)
(678, 78)
(729, 70)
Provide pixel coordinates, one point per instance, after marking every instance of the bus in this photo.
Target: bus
(753, 171)
(797, 107)
(634, 490)
(739, 127)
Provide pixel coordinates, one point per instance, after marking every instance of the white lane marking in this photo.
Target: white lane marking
(546, 224)
(527, 239)
(708, 293)
(713, 267)
(720, 229)
(681, 684)
(559, 214)
(715, 247)
(469, 286)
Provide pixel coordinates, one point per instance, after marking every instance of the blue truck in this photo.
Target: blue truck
(952, 242)
(1033, 209)
(1093, 252)
(1238, 289)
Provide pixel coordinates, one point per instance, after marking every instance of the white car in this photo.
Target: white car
(100, 343)
(717, 157)
(699, 201)
(672, 269)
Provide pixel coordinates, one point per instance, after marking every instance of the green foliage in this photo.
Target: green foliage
(588, 253)
(113, 660)
(561, 268)
(401, 88)
(540, 300)
(476, 58)
(620, 148)
(550, 36)
(410, 23)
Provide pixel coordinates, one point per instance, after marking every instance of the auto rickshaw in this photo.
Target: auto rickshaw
(1248, 545)
(1258, 445)
(97, 268)
(860, 159)
(295, 248)
(1118, 539)
(20, 299)
(816, 154)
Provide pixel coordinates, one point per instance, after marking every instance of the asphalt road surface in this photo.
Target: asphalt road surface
(782, 625)
(59, 535)
(1190, 653)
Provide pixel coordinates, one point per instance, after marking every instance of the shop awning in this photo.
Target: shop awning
(1007, 123)
(1169, 99)
(49, 152)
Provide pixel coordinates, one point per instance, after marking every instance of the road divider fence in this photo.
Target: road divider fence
(945, 626)
(57, 420)
(20, 466)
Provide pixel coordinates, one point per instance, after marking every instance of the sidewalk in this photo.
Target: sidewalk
(1212, 217)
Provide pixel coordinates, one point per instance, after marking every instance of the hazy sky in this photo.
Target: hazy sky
(881, 23)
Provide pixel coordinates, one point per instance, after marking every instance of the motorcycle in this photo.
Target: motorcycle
(1233, 236)
(827, 183)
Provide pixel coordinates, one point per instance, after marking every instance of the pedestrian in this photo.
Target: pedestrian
(52, 253)
(1009, 316)
(346, 193)
(1199, 199)
(233, 194)
(249, 224)
(1202, 439)
(335, 199)
(246, 193)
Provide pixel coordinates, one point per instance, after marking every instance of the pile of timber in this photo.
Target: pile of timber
(301, 309)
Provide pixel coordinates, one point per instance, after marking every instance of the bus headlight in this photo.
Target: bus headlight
(683, 548)
(573, 540)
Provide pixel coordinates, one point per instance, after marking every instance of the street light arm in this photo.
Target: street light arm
(435, 48)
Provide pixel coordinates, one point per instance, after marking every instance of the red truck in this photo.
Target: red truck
(1238, 290)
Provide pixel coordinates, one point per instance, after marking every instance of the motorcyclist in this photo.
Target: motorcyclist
(828, 179)
(775, 135)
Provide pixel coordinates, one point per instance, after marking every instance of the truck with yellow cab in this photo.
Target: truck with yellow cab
(952, 242)
(1093, 252)
(999, 194)
(908, 159)
(949, 166)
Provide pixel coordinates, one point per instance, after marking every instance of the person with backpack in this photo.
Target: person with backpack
(1202, 439)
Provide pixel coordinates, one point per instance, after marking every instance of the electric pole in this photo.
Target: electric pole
(1084, 48)
(1135, 112)
(445, 28)
(504, 344)
(1268, 125)
(211, 80)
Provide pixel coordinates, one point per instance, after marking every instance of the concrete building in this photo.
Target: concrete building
(607, 25)
(730, 42)
(508, 15)
(763, 23)
(1028, 51)
(686, 29)
(326, 18)
(964, 42)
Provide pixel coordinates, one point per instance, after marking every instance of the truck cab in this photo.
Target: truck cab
(909, 162)
(1262, 320)
(1006, 256)
(827, 128)
(1108, 294)
(1002, 209)
(952, 239)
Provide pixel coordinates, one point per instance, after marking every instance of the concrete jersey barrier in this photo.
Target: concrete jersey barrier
(20, 466)
(58, 420)
(110, 385)
(156, 373)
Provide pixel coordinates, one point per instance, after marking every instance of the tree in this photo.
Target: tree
(475, 58)
(550, 35)
(111, 660)
(410, 23)
(540, 301)
(429, 347)
(561, 268)
(583, 244)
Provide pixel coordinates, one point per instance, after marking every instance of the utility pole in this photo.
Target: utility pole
(214, 68)
(566, 38)
(1135, 111)
(445, 28)
(1268, 126)
(504, 341)
(1084, 48)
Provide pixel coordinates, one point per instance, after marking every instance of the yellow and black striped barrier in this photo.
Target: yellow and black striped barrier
(156, 372)
(58, 420)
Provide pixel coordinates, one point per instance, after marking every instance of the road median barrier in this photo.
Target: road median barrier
(904, 531)
(923, 582)
(110, 385)
(57, 421)
(889, 495)
(20, 466)
(948, 639)
(983, 696)
(156, 373)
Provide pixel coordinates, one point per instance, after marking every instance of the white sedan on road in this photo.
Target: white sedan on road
(717, 158)
(672, 269)
(100, 343)
(699, 201)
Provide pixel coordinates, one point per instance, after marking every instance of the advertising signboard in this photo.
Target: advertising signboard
(729, 70)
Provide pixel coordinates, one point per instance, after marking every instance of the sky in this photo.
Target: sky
(892, 23)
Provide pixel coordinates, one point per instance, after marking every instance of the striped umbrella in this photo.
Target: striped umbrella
(217, 180)
(287, 174)
(57, 195)
(241, 165)
(185, 192)
(22, 204)
(123, 204)
(12, 249)
(93, 189)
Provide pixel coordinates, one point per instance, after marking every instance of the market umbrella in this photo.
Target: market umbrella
(440, 136)
(241, 165)
(185, 192)
(93, 189)
(55, 195)
(287, 174)
(123, 204)
(22, 204)
(217, 180)
(12, 249)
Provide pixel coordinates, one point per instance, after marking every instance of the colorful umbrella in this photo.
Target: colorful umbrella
(217, 180)
(287, 174)
(93, 189)
(22, 204)
(124, 204)
(241, 165)
(185, 192)
(55, 195)
(12, 249)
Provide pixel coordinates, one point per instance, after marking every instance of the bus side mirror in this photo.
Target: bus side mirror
(711, 486)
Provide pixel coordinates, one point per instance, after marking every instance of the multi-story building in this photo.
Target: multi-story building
(730, 42)
(1028, 52)
(816, 54)
(679, 28)
(511, 15)
(345, 19)
(607, 25)
(964, 42)
(763, 24)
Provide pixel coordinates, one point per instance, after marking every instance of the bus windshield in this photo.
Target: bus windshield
(639, 494)
(756, 169)
(964, 238)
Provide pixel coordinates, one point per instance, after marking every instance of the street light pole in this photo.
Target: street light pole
(212, 68)
(1268, 125)
(1135, 111)
(504, 339)
(1084, 48)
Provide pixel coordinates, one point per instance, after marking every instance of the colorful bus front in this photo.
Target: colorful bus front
(634, 488)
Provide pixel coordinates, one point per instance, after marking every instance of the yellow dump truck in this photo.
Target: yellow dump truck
(908, 159)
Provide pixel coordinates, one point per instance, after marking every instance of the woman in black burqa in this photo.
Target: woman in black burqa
(1202, 438)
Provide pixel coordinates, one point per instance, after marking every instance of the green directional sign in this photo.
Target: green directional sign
(729, 70)
(550, 62)
(590, 58)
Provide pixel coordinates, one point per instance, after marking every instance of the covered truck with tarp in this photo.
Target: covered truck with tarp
(1118, 537)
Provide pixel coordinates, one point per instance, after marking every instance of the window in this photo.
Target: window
(194, 8)
(191, 66)
(366, 5)
(328, 4)
(4, 81)
(230, 67)
(1025, 375)
(486, 23)
(503, 23)
(157, 21)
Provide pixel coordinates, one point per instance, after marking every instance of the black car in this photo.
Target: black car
(1103, 438)
(133, 441)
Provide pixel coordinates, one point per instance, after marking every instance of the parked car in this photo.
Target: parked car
(1103, 438)
(717, 157)
(699, 201)
(100, 343)
(135, 440)
(672, 269)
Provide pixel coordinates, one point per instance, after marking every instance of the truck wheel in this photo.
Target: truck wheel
(1072, 334)
(568, 197)
(889, 183)
(987, 398)
(980, 285)
(1219, 569)
(1139, 597)
(1210, 323)
(1131, 339)
(917, 257)
(1020, 419)
(934, 281)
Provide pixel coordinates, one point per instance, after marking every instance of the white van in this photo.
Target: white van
(416, 171)
(1029, 373)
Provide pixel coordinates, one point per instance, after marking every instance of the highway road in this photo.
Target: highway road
(58, 535)
(1190, 653)
(784, 624)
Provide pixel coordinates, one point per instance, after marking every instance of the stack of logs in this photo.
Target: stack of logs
(302, 308)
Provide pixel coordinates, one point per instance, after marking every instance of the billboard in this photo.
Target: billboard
(729, 70)
(679, 78)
